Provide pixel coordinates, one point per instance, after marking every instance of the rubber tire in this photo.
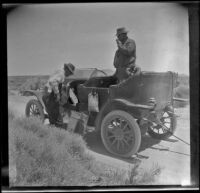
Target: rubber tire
(38, 105)
(164, 135)
(135, 127)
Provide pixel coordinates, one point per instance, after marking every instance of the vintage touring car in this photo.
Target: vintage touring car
(126, 110)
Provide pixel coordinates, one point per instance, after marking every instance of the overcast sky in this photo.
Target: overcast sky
(41, 38)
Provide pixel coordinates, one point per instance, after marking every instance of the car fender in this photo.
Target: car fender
(36, 93)
(135, 109)
(130, 104)
(180, 99)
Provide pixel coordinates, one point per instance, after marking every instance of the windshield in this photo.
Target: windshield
(98, 73)
(86, 73)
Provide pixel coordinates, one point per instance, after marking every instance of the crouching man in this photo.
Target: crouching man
(56, 95)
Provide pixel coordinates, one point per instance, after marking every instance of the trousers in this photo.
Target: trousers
(52, 107)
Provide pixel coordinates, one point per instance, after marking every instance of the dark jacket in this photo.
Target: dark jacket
(125, 55)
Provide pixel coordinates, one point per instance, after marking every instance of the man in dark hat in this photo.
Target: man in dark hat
(125, 56)
(56, 95)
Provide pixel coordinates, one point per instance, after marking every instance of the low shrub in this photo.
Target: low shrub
(183, 79)
(34, 83)
(182, 91)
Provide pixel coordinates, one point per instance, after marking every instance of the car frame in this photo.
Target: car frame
(127, 110)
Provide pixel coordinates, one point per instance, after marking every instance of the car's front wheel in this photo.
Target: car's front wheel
(120, 133)
(34, 108)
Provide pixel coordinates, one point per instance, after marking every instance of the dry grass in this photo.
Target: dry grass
(46, 155)
(41, 155)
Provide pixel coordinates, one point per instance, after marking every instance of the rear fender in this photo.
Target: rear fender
(136, 110)
(131, 105)
(38, 95)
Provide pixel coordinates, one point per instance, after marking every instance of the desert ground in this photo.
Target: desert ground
(172, 155)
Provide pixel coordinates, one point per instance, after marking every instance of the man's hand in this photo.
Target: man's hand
(133, 70)
(119, 44)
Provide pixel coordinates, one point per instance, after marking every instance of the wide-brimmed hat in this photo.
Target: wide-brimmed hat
(121, 30)
(70, 67)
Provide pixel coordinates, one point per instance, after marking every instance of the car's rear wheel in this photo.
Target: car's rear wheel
(120, 133)
(34, 108)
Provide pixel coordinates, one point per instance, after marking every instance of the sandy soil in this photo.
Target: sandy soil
(172, 155)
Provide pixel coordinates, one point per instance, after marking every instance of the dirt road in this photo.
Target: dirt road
(172, 155)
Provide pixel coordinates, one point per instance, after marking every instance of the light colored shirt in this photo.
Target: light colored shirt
(55, 79)
(52, 84)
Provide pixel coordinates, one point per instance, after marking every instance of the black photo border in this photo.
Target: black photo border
(193, 13)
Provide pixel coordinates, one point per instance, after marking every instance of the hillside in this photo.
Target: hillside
(14, 82)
